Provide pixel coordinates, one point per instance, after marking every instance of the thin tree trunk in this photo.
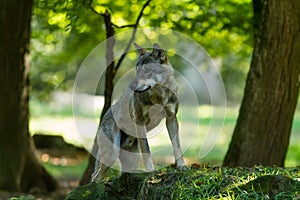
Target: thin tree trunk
(17, 158)
(263, 129)
(108, 90)
(110, 70)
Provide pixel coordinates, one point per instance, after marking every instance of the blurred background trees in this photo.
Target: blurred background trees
(64, 32)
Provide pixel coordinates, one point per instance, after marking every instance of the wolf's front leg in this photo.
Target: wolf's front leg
(144, 148)
(172, 126)
(108, 150)
(146, 154)
(129, 154)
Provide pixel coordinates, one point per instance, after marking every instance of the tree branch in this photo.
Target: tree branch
(124, 26)
(132, 36)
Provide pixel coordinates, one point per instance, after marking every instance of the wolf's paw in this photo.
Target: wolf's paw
(181, 167)
(150, 166)
(180, 164)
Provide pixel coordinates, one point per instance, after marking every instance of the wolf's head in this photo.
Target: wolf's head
(152, 68)
(156, 56)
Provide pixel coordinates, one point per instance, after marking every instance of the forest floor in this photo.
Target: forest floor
(66, 166)
(65, 186)
(199, 181)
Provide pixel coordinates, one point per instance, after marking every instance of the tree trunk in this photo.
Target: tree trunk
(108, 90)
(17, 159)
(263, 129)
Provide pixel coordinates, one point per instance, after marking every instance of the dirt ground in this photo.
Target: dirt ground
(65, 186)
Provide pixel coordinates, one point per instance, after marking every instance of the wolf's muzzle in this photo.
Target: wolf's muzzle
(142, 88)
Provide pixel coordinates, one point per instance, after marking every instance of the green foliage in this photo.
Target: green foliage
(65, 31)
(223, 28)
(293, 154)
(88, 192)
(200, 182)
(57, 48)
(65, 171)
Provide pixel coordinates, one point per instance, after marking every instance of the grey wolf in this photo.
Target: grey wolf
(150, 97)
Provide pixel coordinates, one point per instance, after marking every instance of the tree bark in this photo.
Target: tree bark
(110, 63)
(108, 90)
(17, 158)
(263, 128)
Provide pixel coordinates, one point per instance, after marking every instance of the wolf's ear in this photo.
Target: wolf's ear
(159, 53)
(140, 50)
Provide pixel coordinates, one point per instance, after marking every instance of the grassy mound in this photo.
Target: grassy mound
(198, 182)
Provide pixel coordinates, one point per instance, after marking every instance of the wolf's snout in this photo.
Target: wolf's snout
(139, 87)
(142, 88)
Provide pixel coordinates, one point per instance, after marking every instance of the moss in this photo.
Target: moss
(127, 186)
(271, 185)
(203, 182)
(90, 191)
